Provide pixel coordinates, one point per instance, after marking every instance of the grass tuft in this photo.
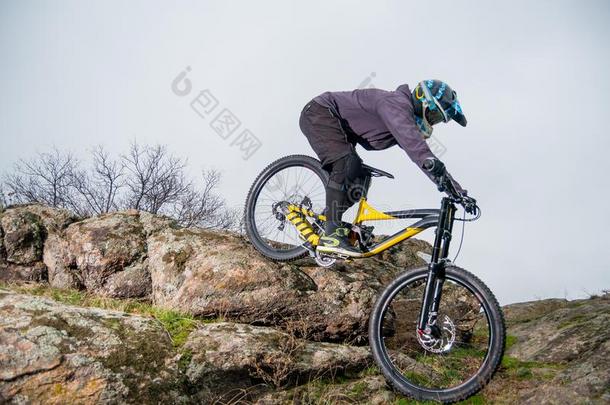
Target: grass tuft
(177, 324)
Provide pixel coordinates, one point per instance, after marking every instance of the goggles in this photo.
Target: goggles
(433, 111)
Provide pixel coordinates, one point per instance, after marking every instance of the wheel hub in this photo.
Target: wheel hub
(437, 339)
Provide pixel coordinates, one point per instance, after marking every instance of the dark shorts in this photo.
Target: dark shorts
(326, 134)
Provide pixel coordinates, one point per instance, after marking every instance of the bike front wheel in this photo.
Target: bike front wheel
(462, 354)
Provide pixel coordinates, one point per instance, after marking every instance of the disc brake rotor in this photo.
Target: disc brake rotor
(440, 344)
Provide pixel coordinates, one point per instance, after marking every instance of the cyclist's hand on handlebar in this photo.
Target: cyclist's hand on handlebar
(446, 184)
(469, 204)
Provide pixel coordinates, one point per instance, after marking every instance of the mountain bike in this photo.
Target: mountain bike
(436, 332)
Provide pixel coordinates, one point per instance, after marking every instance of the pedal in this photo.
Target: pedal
(338, 256)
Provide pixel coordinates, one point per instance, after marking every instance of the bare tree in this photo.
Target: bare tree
(98, 187)
(231, 219)
(155, 178)
(147, 178)
(3, 199)
(200, 207)
(45, 179)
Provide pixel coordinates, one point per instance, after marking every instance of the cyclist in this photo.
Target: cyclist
(334, 122)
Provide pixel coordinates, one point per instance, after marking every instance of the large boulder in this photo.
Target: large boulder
(210, 273)
(571, 336)
(58, 354)
(23, 232)
(230, 355)
(206, 273)
(24, 236)
(339, 308)
(558, 352)
(104, 254)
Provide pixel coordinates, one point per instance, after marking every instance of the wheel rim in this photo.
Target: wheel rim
(412, 360)
(291, 184)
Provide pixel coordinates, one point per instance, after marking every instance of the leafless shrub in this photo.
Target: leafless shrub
(201, 207)
(231, 219)
(46, 179)
(237, 220)
(155, 178)
(146, 178)
(99, 186)
(3, 199)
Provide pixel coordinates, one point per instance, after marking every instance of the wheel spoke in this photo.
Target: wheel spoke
(291, 185)
(448, 359)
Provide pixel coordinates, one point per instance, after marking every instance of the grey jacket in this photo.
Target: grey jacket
(381, 119)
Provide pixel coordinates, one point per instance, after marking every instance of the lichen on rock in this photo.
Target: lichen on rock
(89, 254)
(23, 232)
(53, 353)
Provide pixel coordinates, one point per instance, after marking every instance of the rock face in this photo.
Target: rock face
(23, 232)
(211, 273)
(58, 354)
(92, 252)
(105, 254)
(288, 329)
(574, 338)
(225, 353)
(53, 353)
(205, 273)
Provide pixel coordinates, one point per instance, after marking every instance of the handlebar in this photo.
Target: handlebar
(437, 169)
(445, 184)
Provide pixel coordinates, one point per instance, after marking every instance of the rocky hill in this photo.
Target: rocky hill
(130, 308)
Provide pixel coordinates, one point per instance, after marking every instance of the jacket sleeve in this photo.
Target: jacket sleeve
(398, 117)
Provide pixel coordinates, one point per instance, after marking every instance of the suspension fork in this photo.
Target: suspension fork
(436, 269)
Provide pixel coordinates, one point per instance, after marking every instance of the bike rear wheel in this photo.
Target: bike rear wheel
(467, 346)
(291, 179)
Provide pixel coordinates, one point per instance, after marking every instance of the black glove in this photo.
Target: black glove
(434, 167)
(469, 204)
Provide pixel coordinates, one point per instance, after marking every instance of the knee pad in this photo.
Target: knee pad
(347, 175)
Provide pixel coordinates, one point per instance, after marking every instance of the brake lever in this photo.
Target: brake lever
(445, 186)
(441, 183)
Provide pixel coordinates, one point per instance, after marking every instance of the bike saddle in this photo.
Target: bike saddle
(376, 172)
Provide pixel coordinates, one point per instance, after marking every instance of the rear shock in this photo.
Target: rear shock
(304, 227)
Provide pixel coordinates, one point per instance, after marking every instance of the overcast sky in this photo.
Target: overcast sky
(532, 77)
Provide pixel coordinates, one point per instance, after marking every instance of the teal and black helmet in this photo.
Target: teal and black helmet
(434, 101)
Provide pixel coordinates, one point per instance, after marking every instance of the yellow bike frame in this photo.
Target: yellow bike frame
(429, 217)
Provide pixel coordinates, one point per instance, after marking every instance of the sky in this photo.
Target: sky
(532, 78)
